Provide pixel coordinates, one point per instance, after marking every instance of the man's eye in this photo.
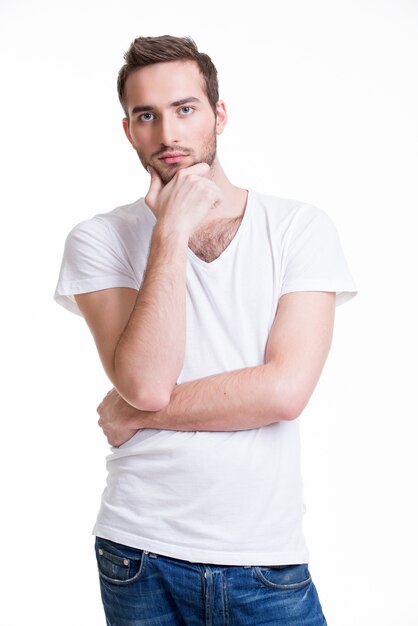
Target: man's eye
(143, 117)
(186, 110)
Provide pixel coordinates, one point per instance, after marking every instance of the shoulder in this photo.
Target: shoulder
(287, 212)
(112, 224)
(128, 215)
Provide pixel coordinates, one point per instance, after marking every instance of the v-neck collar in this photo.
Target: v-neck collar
(232, 244)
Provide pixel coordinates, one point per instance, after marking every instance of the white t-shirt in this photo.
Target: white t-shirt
(232, 498)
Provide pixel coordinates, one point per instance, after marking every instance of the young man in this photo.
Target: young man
(212, 309)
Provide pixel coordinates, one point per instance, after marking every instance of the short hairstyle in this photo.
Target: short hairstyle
(165, 48)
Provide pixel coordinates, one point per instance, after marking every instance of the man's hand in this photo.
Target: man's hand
(116, 419)
(183, 203)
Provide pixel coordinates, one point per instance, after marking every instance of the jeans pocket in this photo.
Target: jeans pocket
(285, 577)
(118, 565)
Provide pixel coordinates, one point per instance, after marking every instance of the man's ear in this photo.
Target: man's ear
(221, 117)
(125, 123)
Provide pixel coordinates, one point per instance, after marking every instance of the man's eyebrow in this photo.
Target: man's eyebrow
(178, 103)
(151, 107)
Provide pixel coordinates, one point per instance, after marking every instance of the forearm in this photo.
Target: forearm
(251, 397)
(149, 355)
(237, 400)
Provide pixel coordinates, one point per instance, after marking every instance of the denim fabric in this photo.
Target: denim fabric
(140, 588)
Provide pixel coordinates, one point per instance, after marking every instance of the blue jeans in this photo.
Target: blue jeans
(140, 588)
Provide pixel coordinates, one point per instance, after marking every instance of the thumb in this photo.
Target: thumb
(155, 187)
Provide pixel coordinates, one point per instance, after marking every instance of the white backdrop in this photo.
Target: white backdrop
(322, 99)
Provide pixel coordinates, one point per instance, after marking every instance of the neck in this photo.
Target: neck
(234, 200)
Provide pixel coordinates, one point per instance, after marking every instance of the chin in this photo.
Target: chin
(167, 175)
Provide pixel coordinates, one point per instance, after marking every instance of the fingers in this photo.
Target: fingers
(155, 178)
(155, 187)
(112, 391)
(200, 169)
(187, 197)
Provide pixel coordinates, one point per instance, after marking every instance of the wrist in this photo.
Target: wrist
(166, 231)
(144, 419)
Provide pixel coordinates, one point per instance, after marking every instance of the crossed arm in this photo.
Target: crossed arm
(252, 397)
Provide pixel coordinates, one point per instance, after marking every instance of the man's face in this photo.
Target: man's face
(169, 113)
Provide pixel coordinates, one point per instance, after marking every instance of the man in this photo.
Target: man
(212, 309)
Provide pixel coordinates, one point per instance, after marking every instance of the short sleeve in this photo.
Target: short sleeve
(314, 260)
(93, 259)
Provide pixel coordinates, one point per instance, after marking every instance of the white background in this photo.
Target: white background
(322, 98)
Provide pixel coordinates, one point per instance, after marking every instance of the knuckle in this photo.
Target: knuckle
(201, 182)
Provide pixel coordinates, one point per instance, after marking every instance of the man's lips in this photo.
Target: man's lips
(172, 157)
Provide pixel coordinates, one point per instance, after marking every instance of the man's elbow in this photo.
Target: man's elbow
(147, 398)
(151, 402)
(289, 404)
(290, 412)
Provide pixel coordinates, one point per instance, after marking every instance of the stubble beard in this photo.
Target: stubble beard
(166, 173)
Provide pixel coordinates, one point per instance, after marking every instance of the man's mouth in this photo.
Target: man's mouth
(172, 157)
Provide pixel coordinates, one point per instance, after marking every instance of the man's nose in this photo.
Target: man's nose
(169, 130)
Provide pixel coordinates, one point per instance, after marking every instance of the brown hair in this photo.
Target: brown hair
(148, 50)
